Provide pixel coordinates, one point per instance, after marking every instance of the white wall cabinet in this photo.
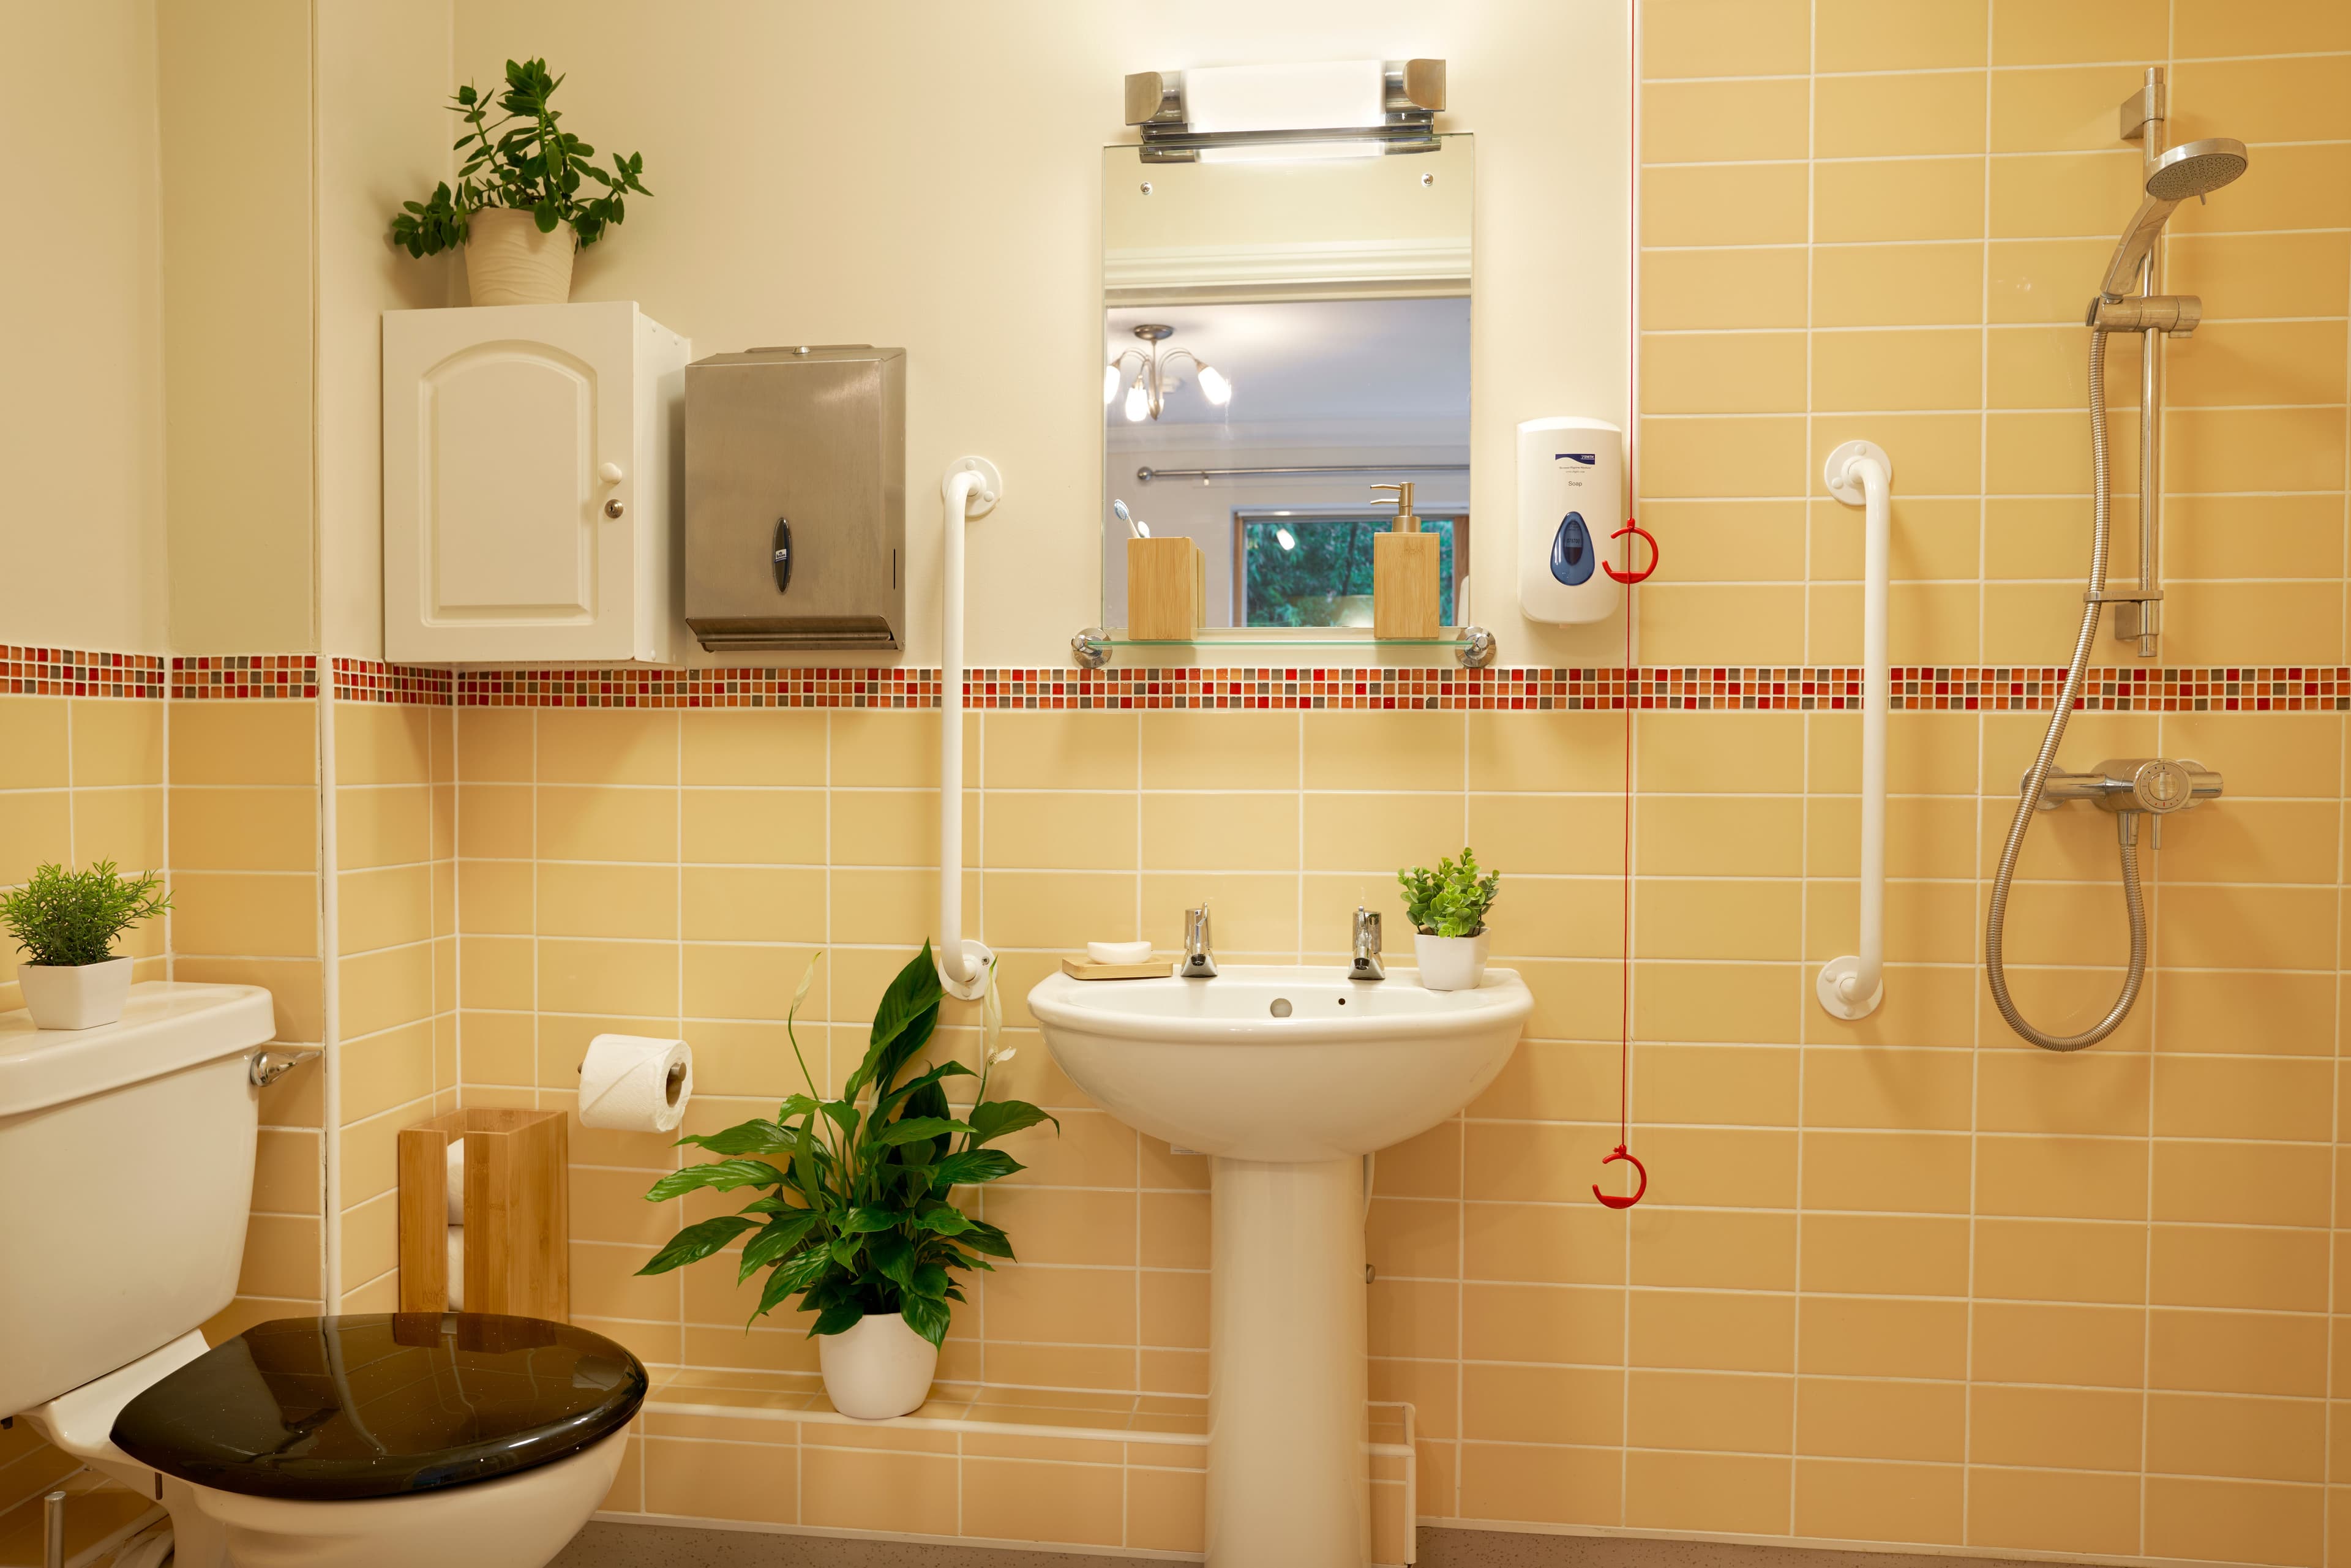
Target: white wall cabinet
(530, 484)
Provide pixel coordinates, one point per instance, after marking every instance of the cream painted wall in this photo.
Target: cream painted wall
(384, 138)
(235, 127)
(81, 410)
(927, 176)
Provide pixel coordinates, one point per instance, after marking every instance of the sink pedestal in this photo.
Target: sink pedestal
(1289, 1441)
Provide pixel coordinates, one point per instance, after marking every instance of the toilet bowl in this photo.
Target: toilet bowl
(379, 1440)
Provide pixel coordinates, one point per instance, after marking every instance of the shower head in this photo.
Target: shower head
(2191, 169)
(2194, 167)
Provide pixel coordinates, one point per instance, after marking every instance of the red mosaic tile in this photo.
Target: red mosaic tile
(74, 672)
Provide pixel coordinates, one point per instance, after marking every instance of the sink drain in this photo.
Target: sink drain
(1280, 1008)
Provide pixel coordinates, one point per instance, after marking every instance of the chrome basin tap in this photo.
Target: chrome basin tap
(1367, 965)
(1200, 962)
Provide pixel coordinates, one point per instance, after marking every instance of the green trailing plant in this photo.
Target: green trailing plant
(856, 1213)
(525, 161)
(1452, 900)
(67, 918)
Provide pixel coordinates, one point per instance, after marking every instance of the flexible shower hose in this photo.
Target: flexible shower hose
(2029, 800)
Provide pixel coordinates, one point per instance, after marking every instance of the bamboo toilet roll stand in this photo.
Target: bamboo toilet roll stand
(516, 1206)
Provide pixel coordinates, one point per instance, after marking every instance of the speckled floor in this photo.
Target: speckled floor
(661, 1546)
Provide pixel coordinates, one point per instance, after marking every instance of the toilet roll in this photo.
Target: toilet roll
(456, 1268)
(456, 1182)
(635, 1083)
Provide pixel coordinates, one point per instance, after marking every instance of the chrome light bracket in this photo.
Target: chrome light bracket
(1414, 98)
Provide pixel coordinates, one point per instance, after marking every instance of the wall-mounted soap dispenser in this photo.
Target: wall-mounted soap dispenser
(1571, 500)
(796, 498)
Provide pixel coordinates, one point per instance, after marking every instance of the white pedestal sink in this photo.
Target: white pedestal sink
(1286, 1077)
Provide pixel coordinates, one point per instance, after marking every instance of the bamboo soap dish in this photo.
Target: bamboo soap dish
(1086, 969)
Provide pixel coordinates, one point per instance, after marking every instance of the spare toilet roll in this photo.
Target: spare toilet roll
(456, 1268)
(456, 1181)
(635, 1083)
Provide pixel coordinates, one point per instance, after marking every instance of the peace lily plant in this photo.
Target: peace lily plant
(854, 1216)
(1448, 910)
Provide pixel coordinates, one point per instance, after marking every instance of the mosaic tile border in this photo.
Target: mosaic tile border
(1965, 688)
(1942, 688)
(244, 676)
(73, 673)
(373, 680)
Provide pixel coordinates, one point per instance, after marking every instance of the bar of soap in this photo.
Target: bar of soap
(1118, 952)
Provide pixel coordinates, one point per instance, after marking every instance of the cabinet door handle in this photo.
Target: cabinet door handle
(783, 554)
(613, 508)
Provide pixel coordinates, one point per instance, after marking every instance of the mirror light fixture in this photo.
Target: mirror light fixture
(1145, 394)
(1332, 109)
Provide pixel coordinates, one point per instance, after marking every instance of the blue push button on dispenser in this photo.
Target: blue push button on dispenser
(1571, 555)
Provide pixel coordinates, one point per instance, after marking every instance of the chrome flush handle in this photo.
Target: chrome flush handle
(269, 1066)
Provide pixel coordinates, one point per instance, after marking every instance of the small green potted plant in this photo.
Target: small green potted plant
(517, 208)
(1448, 910)
(855, 1215)
(64, 922)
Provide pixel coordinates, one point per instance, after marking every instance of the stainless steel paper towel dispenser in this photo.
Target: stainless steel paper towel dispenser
(796, 498)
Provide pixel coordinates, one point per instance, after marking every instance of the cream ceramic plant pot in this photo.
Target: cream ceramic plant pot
(1450, 963)
(509, 262)
(879, 1369)
(75, 995)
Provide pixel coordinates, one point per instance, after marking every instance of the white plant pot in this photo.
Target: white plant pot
(879, 1369)
(509, 262)
(75, 995)
(1450, 963)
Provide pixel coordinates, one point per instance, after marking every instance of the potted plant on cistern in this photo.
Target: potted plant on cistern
(65, 923)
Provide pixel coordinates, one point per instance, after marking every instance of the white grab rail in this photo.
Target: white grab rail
(1860, 474)
(970, 489)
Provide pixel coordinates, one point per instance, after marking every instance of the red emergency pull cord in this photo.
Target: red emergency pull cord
(1632, 675)
(1643, 1171)
(1629, 578)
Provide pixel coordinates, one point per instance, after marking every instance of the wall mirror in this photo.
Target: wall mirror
(1281, 334)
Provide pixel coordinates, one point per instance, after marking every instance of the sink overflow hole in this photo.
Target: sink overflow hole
(1280, 1008)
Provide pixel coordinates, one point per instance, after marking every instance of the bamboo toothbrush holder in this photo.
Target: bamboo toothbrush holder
(1167, 588)
(516, 1206)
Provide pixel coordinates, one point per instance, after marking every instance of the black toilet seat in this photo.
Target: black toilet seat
(382, 1404)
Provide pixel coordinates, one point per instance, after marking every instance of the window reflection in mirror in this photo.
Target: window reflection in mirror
(1279, 337)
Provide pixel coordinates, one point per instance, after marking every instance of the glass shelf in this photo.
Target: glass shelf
(1472, 646)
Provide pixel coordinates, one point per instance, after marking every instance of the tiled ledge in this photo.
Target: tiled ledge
(1029, 1465)
(1957, 688)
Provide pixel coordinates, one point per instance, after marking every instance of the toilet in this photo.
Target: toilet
(368, 1440)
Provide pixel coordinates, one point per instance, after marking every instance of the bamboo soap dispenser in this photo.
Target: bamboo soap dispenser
(1404, 575)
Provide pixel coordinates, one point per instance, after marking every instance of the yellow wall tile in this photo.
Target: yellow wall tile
(1738, 1493)
(1861, 36)
(1906, 286)
(1911, 114)
(1722, 372)
(2053, 1510)
(1724, 38)
(1890, 369)
(1685, 289)
(116, 741)
(1723, 205)
(1898, 199)
(760, 748)
(2249, 1522)
(244, 743)
(1843, 1500)
(1730, 118)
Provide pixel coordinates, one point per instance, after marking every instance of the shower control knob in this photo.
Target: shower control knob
(2160, 785)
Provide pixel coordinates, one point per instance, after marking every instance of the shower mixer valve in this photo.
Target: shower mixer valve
(2158, 786)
